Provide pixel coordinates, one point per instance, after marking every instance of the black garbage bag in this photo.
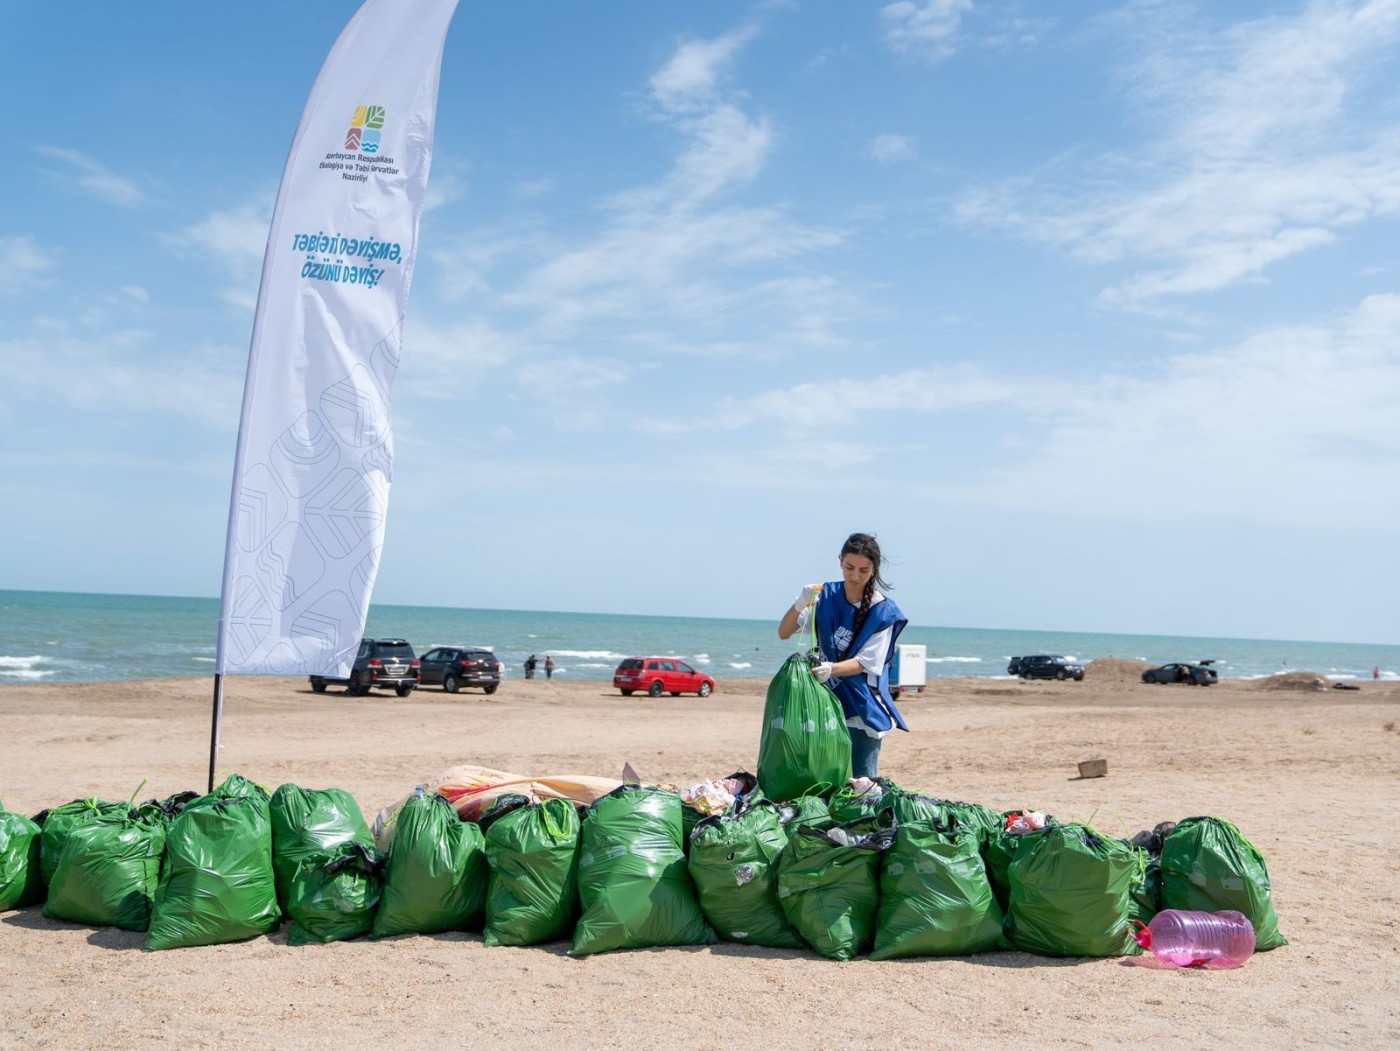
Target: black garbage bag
(437, 872)
(828, 883)
(333, 893)
(632, 879)
(216, 883)
(935, 899)
(21, 879)
(734, 863)
(307, 821)
(107, 873)
(1208, 865)
(532, 894)
(164, 810)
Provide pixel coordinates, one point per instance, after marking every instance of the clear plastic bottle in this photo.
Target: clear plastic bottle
(418, 791)
(1198, 939)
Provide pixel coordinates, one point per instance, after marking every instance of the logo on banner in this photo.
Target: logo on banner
(365, 125)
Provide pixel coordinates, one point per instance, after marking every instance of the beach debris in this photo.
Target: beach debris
(1019, 822)
(1093, 768)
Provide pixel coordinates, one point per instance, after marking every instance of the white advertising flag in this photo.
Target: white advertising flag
(315, 451)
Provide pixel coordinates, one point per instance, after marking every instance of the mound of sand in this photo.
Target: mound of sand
(1115, 669)
(1294, 680)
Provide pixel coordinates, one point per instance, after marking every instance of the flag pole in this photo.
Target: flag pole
(214, 732)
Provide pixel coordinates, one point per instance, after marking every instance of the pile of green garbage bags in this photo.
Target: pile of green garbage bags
(859, 867)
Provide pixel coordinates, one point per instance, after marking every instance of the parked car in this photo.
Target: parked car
(453, 667)
(1045, 666)
(389, 664)
(658, 675)
(1197, 674)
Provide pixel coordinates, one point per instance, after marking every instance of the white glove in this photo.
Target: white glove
(806, 597)
(822, 671)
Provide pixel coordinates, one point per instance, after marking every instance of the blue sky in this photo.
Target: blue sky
(1090, 311)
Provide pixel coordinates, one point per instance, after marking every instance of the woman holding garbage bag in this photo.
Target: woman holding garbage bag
(856, 629)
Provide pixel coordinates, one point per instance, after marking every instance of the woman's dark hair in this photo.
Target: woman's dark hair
(865, 545)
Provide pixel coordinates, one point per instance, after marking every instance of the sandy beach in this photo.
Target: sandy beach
(1310, 776)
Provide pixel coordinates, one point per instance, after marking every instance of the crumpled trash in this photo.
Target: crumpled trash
(1019, 822)
(715, 797)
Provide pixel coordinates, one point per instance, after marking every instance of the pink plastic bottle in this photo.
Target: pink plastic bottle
(1198, 939)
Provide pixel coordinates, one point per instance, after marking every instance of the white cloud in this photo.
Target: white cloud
(1269, 150)
(1291, 426)
(928, 29)
(23, 263)
(891, 148)
(92, 177)
(234, 242)
(691, 77)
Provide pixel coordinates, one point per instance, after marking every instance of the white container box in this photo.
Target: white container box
(910, 668)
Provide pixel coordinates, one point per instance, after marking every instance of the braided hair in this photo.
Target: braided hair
(865, 545)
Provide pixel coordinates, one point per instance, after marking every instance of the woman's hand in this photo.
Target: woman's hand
(822, 671)
(806, 596)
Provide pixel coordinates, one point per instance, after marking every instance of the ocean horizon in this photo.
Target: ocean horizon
(61, 636)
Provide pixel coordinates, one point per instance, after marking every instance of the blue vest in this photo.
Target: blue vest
(836, 618)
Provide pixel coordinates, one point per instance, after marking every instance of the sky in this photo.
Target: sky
(1091, 312)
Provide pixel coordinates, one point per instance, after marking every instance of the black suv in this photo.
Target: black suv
(1045, 666)
(453, 667)
(389, 664)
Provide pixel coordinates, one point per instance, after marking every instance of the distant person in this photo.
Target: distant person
(530, 663)
(548, 666)
(856, 629)
(1376, 672)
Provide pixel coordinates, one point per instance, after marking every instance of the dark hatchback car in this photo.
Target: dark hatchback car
(1199, 674)
(1045, 666)
(389, 664)
(456, 667)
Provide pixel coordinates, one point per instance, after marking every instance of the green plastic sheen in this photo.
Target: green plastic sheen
(436, 876)
(307, 821)
(21, 879)
(532, 895)
(805, 746)
(632, 879)
(1070, 893)
(935, 899)
(1208, 866)
(62, 820)
(333, 894)
(216, 884)
(107, 874)
(734, 863)
(830, 891)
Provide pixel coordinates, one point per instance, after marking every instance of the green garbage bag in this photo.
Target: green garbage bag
(692, 813)
(308, 821)
(828, 883)
(164, 810)
(849, 803)
(805, 746)
(1145, 889)
(532, 893)
(810, 810)
(436, 875)
(21, 879)
(632, 878)
(1208, 865)
(333, 893)
(1070, 893)
(216, 883)
(60, 821)
(935, 899)
(999, 846)
(107, 874)
(734, 863)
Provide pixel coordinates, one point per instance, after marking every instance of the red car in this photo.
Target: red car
(658, 675)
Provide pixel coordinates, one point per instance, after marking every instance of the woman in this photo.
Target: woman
(856, 629)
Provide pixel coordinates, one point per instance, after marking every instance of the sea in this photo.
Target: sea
(59, 636)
